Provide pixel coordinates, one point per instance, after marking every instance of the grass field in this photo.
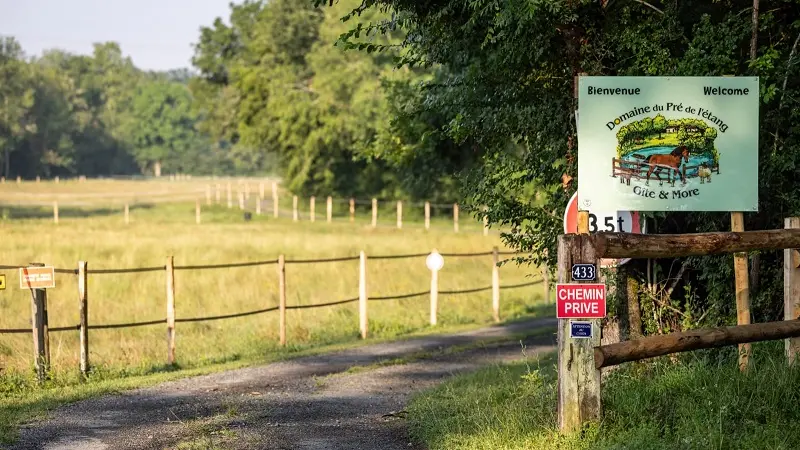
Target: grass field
(701, 402)
(96, 234)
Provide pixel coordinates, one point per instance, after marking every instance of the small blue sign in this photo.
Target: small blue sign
(580, 330)
(584, 272)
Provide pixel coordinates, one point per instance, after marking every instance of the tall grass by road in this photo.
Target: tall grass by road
(701, 402)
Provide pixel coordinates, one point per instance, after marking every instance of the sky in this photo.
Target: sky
(156, 34)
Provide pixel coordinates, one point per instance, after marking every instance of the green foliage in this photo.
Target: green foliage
(507, 85)
(65, 114)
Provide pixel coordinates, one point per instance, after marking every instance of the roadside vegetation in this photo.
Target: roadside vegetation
(700, 401)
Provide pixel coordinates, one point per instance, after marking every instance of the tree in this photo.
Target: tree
(659, 124)
(516, 102)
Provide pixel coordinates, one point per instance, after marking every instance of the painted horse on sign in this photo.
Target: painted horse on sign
(672, 160)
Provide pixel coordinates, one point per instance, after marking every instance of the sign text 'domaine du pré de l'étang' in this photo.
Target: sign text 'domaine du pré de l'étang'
(668, 143)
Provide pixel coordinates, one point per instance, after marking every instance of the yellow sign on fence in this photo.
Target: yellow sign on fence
(37, 277)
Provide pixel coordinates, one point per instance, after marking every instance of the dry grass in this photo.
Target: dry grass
(99, 236)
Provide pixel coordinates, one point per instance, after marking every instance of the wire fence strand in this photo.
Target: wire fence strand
(319, 305)
(227, 266)
(228, 316)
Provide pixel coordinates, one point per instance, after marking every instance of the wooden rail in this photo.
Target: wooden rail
(653, 346)
(627, 245)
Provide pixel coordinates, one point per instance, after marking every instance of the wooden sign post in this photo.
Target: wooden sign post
(791, 290)
(38, 278)
(578, 380)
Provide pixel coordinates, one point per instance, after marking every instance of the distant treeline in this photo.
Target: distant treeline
(273, 94)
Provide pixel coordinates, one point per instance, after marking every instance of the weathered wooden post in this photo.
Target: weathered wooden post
(352, 210)
(374, 212)
(742, 291)
(496, 284)
(170, 269)
(363, 323)
(399, 214)
(455, 217)
(312, 207)
(83, 296)
(295, 215)
(427, 215)
(546, 279)
(197, 211)
(41, 335)
(275, 205)
(282, 299)
(55, 212)
(329, 209)
(230, 196)
(578, 380)
(791, 290)
(127, 214)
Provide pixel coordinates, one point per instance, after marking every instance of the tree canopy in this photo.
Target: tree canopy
(505, 82)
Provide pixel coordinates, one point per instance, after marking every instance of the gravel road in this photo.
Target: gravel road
(305, 403)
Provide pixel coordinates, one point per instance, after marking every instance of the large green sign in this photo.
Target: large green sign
(668, 143)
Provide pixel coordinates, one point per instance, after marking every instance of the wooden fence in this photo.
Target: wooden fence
(627, 169)
(41, 329)
(248, 198)
(580, 360)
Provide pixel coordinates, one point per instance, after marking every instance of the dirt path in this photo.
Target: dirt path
(305, 403)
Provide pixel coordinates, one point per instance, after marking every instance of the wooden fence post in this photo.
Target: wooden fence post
(578, 380)
(55, 212)
(38, 178)
(127, 214)
(57, 179)
(230, 196)
(241, 201)
(399, 214)
(218, 194)
(282, 298)
(427, 215)
(275, 208)
(329, 209)
(374, 212)
(485, 221)
(352, 209)
(258, 206)
(295, 216)
(496, 284)
(197, 211)
(83, 296)
(170, 268)
(41, 333)
(363, 324)
(791, 290)
(742, 291)
(455, 217)
(19, 179)
(312, 208)
(434, 295)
